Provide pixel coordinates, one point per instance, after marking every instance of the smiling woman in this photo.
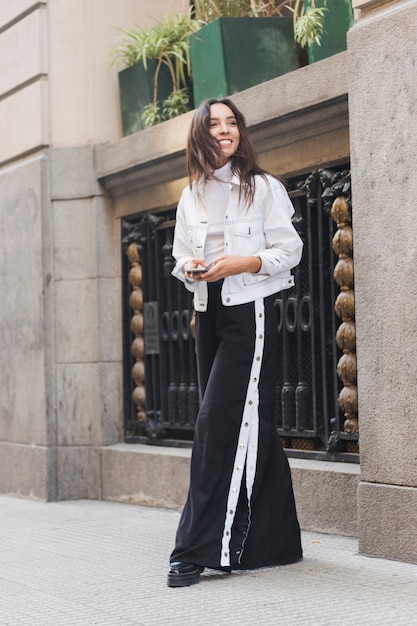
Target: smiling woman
(234, 219)
(224, 129)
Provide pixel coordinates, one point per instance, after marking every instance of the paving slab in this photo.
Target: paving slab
(85, 562)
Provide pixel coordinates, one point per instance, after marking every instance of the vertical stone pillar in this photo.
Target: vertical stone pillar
(86, 320)
(383, 130)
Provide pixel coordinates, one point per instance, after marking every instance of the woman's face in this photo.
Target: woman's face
(224, 129)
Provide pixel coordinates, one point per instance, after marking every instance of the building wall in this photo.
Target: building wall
(26, 313)
(60, 267)
(87, 348)
(56, 85)
(383, 110)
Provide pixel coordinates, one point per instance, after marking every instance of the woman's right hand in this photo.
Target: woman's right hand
(230, 265)
(195, 269)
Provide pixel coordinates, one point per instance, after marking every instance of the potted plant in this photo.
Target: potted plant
(337, 19)
(155, 82)
(230, 54)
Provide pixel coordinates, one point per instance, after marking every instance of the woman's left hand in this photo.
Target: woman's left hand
(229, 265)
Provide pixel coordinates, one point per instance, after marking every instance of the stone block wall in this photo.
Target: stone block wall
(87, 321)
(60, 326)
(26, 315)
(383, 108)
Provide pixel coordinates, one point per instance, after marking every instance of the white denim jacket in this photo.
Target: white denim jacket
(264, 229)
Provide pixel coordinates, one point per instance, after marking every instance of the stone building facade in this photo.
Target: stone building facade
(66, 179)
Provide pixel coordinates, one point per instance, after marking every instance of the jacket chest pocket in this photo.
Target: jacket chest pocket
(197, 235)
(248, 236)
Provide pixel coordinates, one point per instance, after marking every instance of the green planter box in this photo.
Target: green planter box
(136, 87)
(337, 21)
(234, 53)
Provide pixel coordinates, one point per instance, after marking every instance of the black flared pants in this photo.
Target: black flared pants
(240, 510)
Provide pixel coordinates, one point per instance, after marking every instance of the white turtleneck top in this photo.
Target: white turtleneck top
(216, 197)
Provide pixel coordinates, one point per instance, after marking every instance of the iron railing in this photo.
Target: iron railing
(308, 418)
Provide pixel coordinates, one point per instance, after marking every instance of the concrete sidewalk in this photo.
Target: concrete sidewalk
(93, 562)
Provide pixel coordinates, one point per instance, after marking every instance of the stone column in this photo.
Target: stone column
(87, 322)
(383, 130)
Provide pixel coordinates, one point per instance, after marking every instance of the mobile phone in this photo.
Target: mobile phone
(197, 270)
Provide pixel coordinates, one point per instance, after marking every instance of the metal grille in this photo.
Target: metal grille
(307, 415)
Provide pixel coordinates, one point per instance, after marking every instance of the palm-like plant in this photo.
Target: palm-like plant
(209, 10)
(308, 21)
(167, 42)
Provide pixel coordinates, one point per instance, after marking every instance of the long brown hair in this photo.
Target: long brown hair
(203, 152)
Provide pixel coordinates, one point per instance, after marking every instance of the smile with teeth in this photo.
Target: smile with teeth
(225, 142)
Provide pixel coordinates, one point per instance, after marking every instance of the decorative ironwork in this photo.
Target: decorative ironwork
(135, 241)
(136, 327)
(309, 391)
(345, 305)
(307, 385)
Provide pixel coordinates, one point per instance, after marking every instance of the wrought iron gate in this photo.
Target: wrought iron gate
(160, 384)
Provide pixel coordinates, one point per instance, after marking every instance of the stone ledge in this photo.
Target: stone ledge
(326, 496)
(367, 5)
(142, 474)
(297, 99)
(158, 476)
(25, 471)
(325, 492)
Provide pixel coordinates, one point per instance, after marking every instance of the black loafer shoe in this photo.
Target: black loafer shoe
(183, 574)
